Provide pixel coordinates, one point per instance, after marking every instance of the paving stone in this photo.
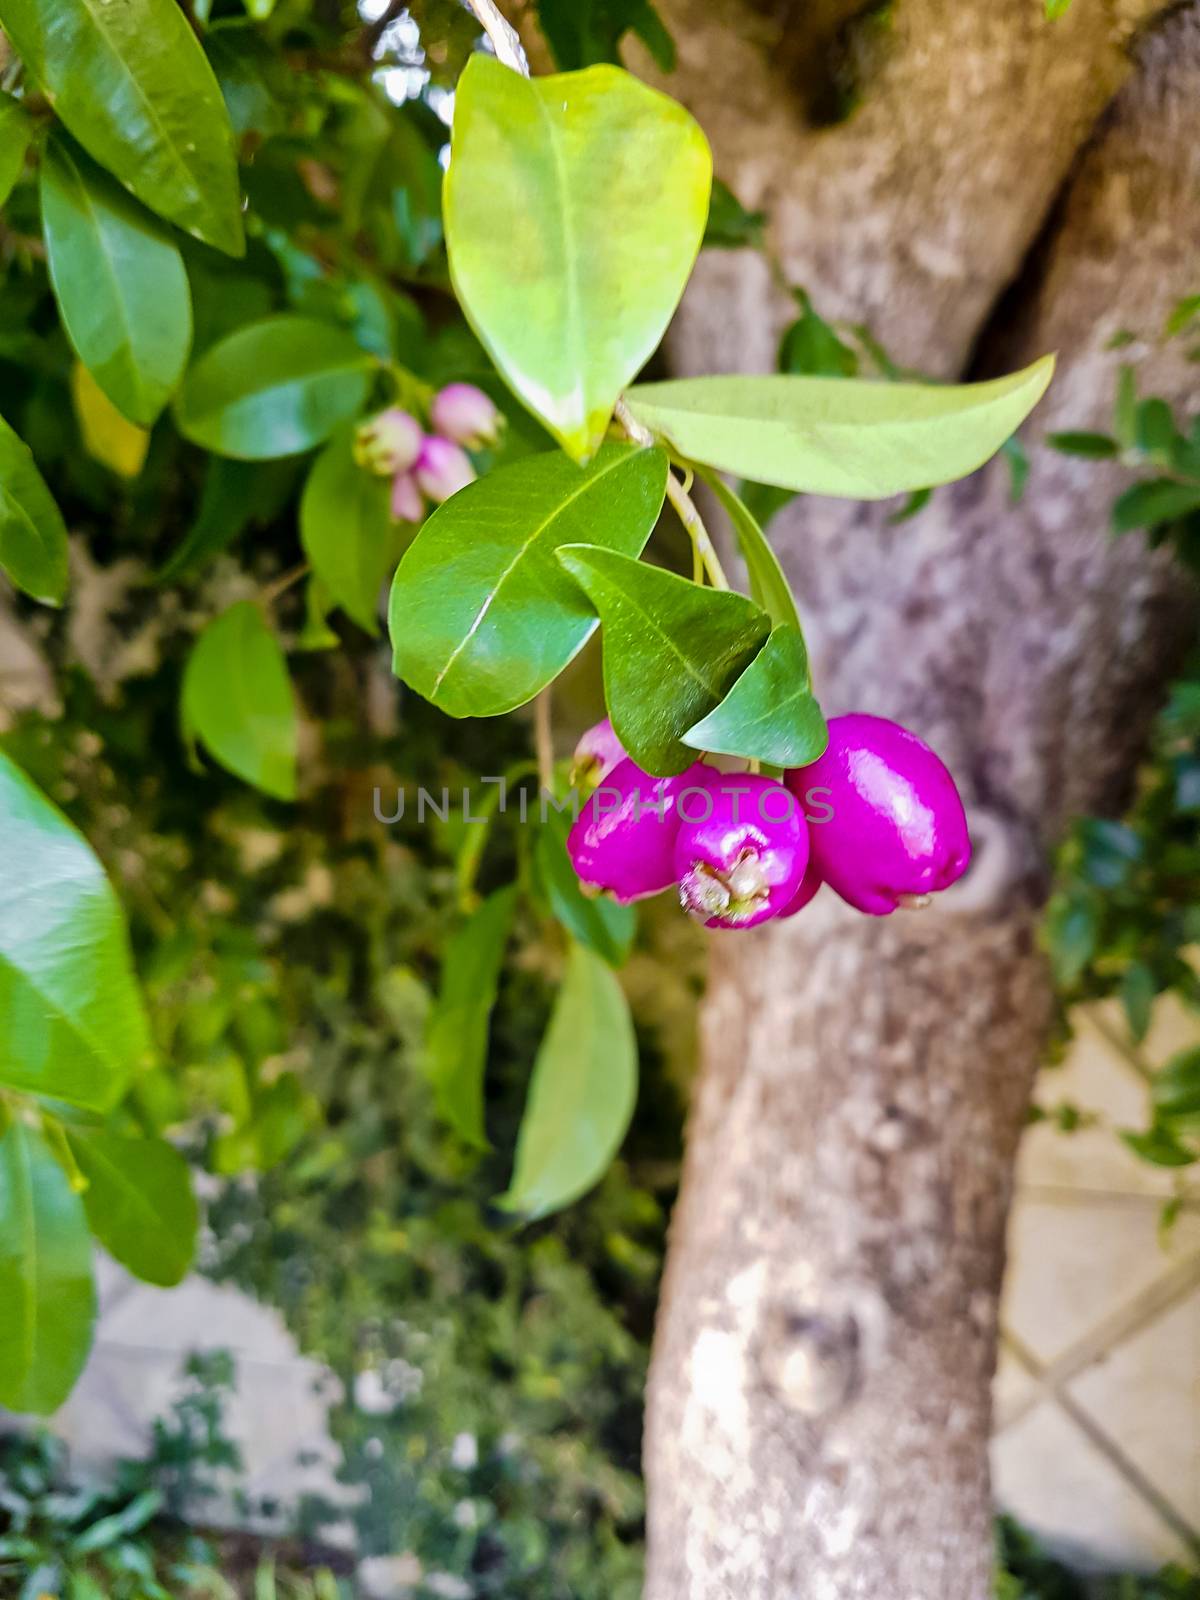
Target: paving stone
(1049, 1474)
(1071, 1267)
(1145, 1394)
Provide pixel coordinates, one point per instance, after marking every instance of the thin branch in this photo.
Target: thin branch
(684, 505)
(505, 40)
(282, 584)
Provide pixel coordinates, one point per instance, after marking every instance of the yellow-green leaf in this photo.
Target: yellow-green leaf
(840, 436)
(238, 700)
(581, 1095)
(47, 1293)
(574, 210)
(71, 1020)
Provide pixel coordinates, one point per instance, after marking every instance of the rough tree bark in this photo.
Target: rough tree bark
(819, 1400)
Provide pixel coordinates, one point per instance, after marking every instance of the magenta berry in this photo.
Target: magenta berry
(442, 469)
(809, 885)
(597, 753)
(388, 443)
(741, 849)
(623, 840)
(465, 415)
(407, 504)
(898, 832)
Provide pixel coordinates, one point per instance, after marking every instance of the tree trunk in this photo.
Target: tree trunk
(818, 1410)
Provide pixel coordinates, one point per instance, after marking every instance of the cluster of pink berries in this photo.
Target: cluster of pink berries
(434, 465)
(877, 818)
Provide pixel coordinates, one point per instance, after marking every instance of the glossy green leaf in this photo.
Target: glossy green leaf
(46, 1286)
(672, 650)
(132, 84)
(600, 923)
(274, 388)
(16, 130)
(482, 617)
(347, 530)
(840, 436)
(139, 1202)
(456, 1050)
(71, 1021)
(597, 188)
(238, 700)
(33, 536)
(582, 1092)
(768, 583)
(120, 283)
(770, 714)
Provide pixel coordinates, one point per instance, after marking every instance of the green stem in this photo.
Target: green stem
(685, 506)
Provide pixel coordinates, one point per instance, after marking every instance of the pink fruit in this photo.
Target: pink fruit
(897, 832)
(741, 850)
(623, 840)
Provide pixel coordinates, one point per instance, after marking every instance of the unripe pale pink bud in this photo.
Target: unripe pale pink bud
(466, 415)
(897, 832)
(442, 468)
(407, 505)
(597, 753)
(388, 443)
(741, 850)
(624, 837)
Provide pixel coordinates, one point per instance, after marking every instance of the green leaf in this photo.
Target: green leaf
(768, 584)
(120, 283)
(600, 923)
(858, 438)
(1094, 446)
(1160, 1147)
(275, 388)
(1056, 9)
(1125, 407)
(456, 1051)
(730, 226)
(1176, 1086)
(609, 182)
(347, 531)
(482, 618)
(581, 33)
(1183, 314)
(132, 84)
(582, 1092)
(238, 700)
(16, 130)
(810, 346)
(672, 650)
(139, 1202)
(1147, 505)
(33, 537)
(770, 714)
(46, 1285)
(107, 1531)
(1138, 989)
(71, 1020)
(235, 495)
